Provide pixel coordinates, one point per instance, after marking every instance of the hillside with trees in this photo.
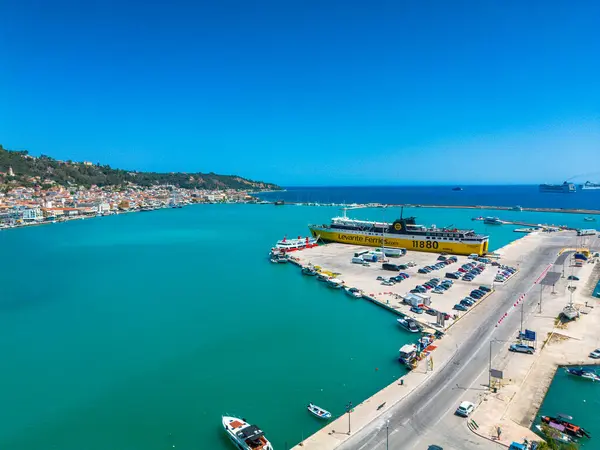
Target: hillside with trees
(45, 171)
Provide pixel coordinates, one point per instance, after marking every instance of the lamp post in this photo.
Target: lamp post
(349, 411)
(387, 435)
(490, 367)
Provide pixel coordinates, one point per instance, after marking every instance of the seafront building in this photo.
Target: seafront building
(21, 206)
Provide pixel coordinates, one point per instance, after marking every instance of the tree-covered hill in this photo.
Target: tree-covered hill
(43, 170)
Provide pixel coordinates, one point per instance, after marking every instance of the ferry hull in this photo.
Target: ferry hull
(415, 243)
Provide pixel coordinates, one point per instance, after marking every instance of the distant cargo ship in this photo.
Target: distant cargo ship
(402, 233)
(565, 188)
(589, 185)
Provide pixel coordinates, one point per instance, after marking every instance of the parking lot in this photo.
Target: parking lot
(337, 258)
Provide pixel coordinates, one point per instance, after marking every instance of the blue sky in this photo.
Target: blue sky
(308, 92)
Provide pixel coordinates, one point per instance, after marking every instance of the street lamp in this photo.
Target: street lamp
(349, 411)
(387, 435)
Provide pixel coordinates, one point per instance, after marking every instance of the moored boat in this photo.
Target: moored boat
(292, 245)
(585, 374)
(318, 412)
(353, 292)
(589, 219)
(309, 270)
(409, 324)
(492, 221)
(335, 283)
(245, 436)
(322, 276)
(556, 434)
(402, 233)
(570, 428)
(408, 355)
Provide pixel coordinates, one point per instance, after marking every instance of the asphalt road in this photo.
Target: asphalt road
(426, 417)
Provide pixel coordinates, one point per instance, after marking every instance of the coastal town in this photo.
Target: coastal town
(26, 206)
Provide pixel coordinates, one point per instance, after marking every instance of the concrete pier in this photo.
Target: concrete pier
(424, 396)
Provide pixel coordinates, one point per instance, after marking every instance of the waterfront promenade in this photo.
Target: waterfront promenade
(460, 369)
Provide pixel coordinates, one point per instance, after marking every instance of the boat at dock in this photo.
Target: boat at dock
(408, 355)
(322, 276)
(586, 374)
(409, 324)
(570, 428)
(308, 270)
(318, 412)
(526, 230)
(556, 434)
(492, 221)
(565, 188)
(402, 233)
(335, 283)
(353, 292)
(245, 436)
(291, 245)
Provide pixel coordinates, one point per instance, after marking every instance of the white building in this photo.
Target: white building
(32, 214)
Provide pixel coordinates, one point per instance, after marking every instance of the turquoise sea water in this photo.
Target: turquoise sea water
(138, 331)
(578, 398)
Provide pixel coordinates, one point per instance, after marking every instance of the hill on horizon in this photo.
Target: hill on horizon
(46, 171)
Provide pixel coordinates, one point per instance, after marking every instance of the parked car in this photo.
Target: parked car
(431, 312)
(465, 409)
(416, 309)
(468, 278)
(438, 290)
(452, 275)
(423, 270)
(404, 275)
(595, 354)
(459, 307)
(402, 266)
(420, 289)
(573, 278)
(397, 279)
(441, 258)
(388, 266)
(465, 303)
(485, 289)
(522, 348)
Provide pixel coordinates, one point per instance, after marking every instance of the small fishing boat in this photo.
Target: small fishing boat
(335, 283)
(308, 270)
(587, 374)
(590, 219)
(353, 292)
(570, 428)
(478, 218)
(322, 276)
(318, 412)
(408, 355)
(557, 435)
(273, 260)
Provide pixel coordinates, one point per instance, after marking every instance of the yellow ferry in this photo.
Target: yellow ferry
(402, 233)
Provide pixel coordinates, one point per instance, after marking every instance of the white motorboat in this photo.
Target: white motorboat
(587, 374)
(244, 435)
(318, 412)
(335, 283)
(353, 292)
(409, 324)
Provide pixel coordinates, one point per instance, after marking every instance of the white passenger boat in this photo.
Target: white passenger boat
(291, 245)
(353, 292)
(245, 436)
(318, 412)
(335, 283)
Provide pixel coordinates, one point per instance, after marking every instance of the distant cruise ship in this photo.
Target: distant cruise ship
(565, 188)
(590, 185)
